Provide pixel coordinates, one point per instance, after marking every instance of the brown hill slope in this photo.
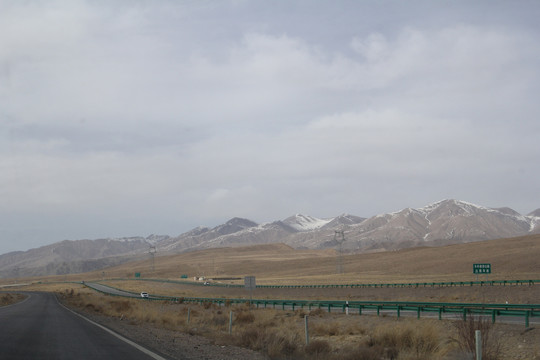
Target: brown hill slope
(514, 258)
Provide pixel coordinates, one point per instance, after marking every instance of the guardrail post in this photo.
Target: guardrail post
(230, 322)
(418, 312)
(464, 314)
(378, 310)
(188, 315)
(440, 313)
(306, 328)
(398, 311)
(493, 315)
(478, 337)
(527, 319)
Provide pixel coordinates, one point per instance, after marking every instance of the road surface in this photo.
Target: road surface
(41, 328)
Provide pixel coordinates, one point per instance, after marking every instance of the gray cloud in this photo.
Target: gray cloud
(135, 117)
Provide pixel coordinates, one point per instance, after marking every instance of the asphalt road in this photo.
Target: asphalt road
(109, 290)
(41, 328)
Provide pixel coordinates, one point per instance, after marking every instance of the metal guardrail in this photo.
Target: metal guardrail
(333, 286)
(526, 311)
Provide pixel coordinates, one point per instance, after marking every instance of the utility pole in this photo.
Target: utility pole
(339, 237)
(152, 252)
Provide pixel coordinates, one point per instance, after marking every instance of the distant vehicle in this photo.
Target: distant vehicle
(144, 294)
(206, 283)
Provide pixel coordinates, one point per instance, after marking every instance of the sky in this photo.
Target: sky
(130, 118)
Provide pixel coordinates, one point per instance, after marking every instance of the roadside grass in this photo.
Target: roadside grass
(8, 298)
(279, 334)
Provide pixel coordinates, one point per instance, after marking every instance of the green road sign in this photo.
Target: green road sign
(481, 268)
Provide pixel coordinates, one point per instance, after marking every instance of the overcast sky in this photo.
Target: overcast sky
(125, 118)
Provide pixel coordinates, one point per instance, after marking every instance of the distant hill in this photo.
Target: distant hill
(442, 223)
(73, 256)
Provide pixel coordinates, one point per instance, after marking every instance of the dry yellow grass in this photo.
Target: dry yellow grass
(279, 334)
(8, 298)
(514, 258)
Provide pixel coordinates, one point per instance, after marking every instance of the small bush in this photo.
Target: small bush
(317, 313)
(207, 305)
(120, 306)
(407, 340)
(275, 343)
(367, 353)
(317, 347)
(325, 329)
(279, 345)
(466, 337)
(244, 317)
(94, 308)
(220, 319)
(251, 337)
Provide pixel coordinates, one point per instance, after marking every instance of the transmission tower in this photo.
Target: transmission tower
(339, 237)
(152, 252)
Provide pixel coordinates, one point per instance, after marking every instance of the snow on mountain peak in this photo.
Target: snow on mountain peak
(305, 222)
(465, 207)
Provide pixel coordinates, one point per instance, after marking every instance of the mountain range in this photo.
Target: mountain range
(441, 223)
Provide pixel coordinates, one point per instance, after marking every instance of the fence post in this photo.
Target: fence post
(478, 337)
(306, 328)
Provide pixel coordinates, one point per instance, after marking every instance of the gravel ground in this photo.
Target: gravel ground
(173, 344)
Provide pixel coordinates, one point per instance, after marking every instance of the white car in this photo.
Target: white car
(144, 294)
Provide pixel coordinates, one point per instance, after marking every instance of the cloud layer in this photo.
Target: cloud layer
(137, 118)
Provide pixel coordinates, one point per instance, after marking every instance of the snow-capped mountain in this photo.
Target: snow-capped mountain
(443, 222)
(440, 223)
(305, 222)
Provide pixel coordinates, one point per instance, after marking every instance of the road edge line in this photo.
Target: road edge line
(124, 339)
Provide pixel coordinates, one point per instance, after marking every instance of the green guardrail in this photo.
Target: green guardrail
(374, 285)
(526, 311)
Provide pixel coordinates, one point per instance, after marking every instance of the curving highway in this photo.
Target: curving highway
(40, 328)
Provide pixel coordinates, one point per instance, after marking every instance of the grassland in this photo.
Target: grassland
(515, 258)
(279, 334)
